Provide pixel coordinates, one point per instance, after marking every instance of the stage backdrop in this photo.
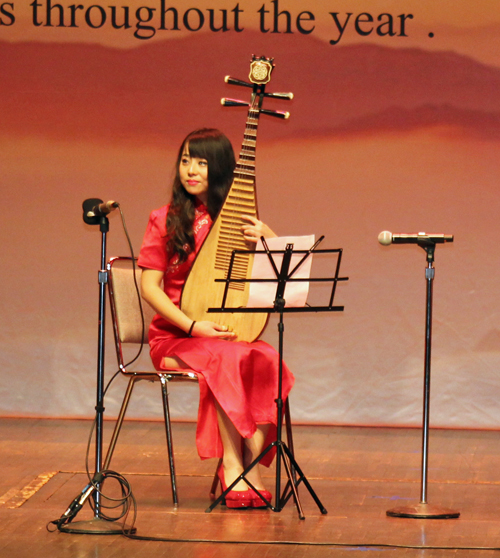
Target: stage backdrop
(395, 125)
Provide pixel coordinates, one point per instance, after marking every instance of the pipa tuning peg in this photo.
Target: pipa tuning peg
(234, 81)
(233, 103)
(284, 96)
(278, 113)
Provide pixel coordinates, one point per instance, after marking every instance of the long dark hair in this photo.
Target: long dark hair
(212, 145)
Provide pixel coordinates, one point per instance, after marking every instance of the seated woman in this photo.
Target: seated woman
(238, 380)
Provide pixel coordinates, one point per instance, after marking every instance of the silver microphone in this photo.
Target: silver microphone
(385, 238)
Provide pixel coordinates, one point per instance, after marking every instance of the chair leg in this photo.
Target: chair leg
(168, 430)
(119, 422)
(216, 481)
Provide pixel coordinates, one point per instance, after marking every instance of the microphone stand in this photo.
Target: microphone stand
(97, 525)
(424, 510)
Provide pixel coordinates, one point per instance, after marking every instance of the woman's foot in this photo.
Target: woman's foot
(236, 498)
(230, 474)
(251, 450)
(255, 478)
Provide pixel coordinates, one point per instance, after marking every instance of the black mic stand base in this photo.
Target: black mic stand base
(423, 511)
(96, 526)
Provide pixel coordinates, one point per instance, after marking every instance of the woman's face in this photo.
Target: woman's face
(193, 173)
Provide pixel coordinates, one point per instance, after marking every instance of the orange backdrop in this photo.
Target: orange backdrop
(395, 125)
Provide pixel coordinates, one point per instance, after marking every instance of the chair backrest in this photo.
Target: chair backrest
(126, 316)
(124, 302)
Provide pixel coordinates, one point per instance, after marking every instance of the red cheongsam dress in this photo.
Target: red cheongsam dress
(241, 376)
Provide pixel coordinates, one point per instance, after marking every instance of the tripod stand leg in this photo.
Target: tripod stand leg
(302, 478)
(289, 434)
(293, 487)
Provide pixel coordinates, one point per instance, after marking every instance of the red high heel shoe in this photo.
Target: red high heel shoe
(257, 501)
(235, 498)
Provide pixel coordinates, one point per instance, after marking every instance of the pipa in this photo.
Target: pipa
(201, 291)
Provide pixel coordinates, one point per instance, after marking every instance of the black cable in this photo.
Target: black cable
(310, 543)
(127, 498)
(139, 298)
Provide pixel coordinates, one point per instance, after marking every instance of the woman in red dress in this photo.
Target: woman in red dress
(238, 380)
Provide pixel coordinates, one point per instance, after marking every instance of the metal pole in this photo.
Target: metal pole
(429, 275)
(103, 279)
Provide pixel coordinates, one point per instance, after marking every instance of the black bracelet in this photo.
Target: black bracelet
(191, 329)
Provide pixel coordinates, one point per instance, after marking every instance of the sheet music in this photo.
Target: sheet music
(262, 295)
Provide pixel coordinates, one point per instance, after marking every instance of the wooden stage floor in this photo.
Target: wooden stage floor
(358, 473)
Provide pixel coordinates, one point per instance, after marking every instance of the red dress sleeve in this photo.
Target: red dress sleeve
(153, 254)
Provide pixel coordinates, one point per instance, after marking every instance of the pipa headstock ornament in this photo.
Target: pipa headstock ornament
(260, 69)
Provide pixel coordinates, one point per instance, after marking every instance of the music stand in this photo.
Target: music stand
(424, 510)
(282, 277)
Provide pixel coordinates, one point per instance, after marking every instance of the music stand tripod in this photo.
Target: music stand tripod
(283, 454)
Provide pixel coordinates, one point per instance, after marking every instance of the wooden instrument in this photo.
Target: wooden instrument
(201, 291)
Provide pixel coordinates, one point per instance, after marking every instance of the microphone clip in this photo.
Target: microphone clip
(88, 215)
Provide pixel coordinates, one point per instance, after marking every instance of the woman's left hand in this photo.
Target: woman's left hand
(254, 229)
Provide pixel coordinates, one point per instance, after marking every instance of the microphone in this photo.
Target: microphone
(385, 238)
(102, 209)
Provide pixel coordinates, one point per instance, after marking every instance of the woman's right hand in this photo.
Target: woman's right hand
(211, 329)
(153, 294)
